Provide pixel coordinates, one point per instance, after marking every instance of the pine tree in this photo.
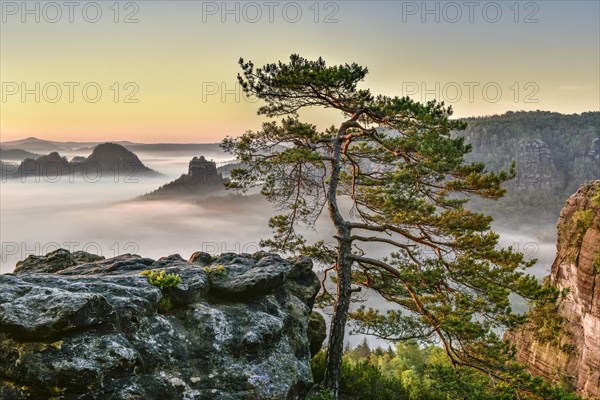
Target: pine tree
(363, 350)
(389, 175)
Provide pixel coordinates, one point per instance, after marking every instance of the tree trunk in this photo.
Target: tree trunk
(335, 348)
(344, 270)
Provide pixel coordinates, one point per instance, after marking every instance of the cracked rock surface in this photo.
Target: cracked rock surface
(77, 326)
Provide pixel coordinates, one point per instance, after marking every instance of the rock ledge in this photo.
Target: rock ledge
(76, 326)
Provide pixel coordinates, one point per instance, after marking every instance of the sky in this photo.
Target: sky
(165, 71)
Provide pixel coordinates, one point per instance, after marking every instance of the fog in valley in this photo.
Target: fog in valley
(102, 216)
(98, 216)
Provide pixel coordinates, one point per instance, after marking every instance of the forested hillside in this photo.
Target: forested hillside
(554, 154)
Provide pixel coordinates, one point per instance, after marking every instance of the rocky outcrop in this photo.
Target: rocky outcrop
(572, 353)
(535, 168)
(202, 178)
(55, 261)
(234, 327)
(200, 169)
(107, 160)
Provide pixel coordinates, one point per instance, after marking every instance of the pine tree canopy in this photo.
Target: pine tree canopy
(393, 180)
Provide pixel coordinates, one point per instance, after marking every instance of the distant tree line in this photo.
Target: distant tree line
(413, 372)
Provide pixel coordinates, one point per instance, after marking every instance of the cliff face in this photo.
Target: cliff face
(587, 164)
(235, 327)
(573, 355)
(535, 168)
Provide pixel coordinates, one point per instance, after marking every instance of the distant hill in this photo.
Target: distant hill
(114, 157)
(33, 144)
(107, 159)
(36, 145)
(16, 154)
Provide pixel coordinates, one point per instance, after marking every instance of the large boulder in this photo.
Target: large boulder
(237, 327)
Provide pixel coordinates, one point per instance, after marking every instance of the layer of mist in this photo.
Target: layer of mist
(101, 217)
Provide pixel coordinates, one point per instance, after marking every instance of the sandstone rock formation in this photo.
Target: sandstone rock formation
(535, 168)
(235, 327)
(572, 354)
(202, 178)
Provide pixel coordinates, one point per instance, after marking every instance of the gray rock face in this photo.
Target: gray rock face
(535, 167)
(594, 152)
(239, 327)
(586, 167)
